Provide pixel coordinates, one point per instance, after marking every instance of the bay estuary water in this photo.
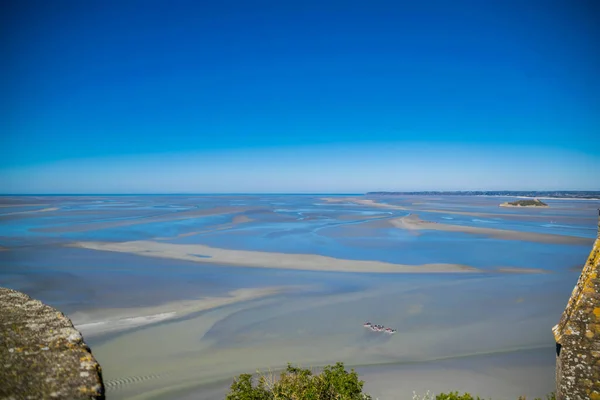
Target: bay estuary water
(178, 294)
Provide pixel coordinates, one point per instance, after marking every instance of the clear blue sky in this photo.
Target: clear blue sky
(298, 96)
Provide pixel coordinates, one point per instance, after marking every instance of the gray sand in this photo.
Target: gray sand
(261, 259)
(500, 376)
(177, 357)
(413, 222)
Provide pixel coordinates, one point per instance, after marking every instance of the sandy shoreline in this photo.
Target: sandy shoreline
(413, 222)
(307, 262)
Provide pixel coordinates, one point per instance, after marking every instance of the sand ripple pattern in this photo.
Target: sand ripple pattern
(116, 384)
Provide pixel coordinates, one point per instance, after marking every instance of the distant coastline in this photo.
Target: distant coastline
(554, 194)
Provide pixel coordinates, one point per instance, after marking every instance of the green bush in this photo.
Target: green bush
(456, 396)
(333, 383)
(465, 396)
(551, 396)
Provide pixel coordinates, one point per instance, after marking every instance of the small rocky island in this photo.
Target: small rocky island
(525, 203)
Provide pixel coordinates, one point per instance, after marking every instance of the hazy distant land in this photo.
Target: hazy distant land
(554, 194)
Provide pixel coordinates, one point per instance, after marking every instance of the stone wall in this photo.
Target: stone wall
(577, 336)
(42, 356)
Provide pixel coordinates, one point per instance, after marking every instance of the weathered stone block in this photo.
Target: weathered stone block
(578, 336)
(42, 355)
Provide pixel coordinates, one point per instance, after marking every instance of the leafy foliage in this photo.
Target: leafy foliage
(243, 389)
(551, 396)
(465, 396)
(456, 396)
(333, 383)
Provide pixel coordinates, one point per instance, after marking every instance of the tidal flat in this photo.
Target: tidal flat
(177, 294)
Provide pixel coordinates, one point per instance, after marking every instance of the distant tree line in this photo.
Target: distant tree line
(559, 194)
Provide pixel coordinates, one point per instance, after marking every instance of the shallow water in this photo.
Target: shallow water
(437, 315)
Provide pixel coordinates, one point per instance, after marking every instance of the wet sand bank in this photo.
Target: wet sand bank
(121, 319)
(505, 375)
(308, 262)
(413, 222)
(185, 356)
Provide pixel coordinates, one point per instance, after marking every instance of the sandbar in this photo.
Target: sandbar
(347, 217)
(364, 202)
(30, 211)
(119, 319)
(163, 217)
(21, 205)
(413, 222)
(515, 270)
(260, 259)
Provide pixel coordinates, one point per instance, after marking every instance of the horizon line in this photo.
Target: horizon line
(291, 193)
